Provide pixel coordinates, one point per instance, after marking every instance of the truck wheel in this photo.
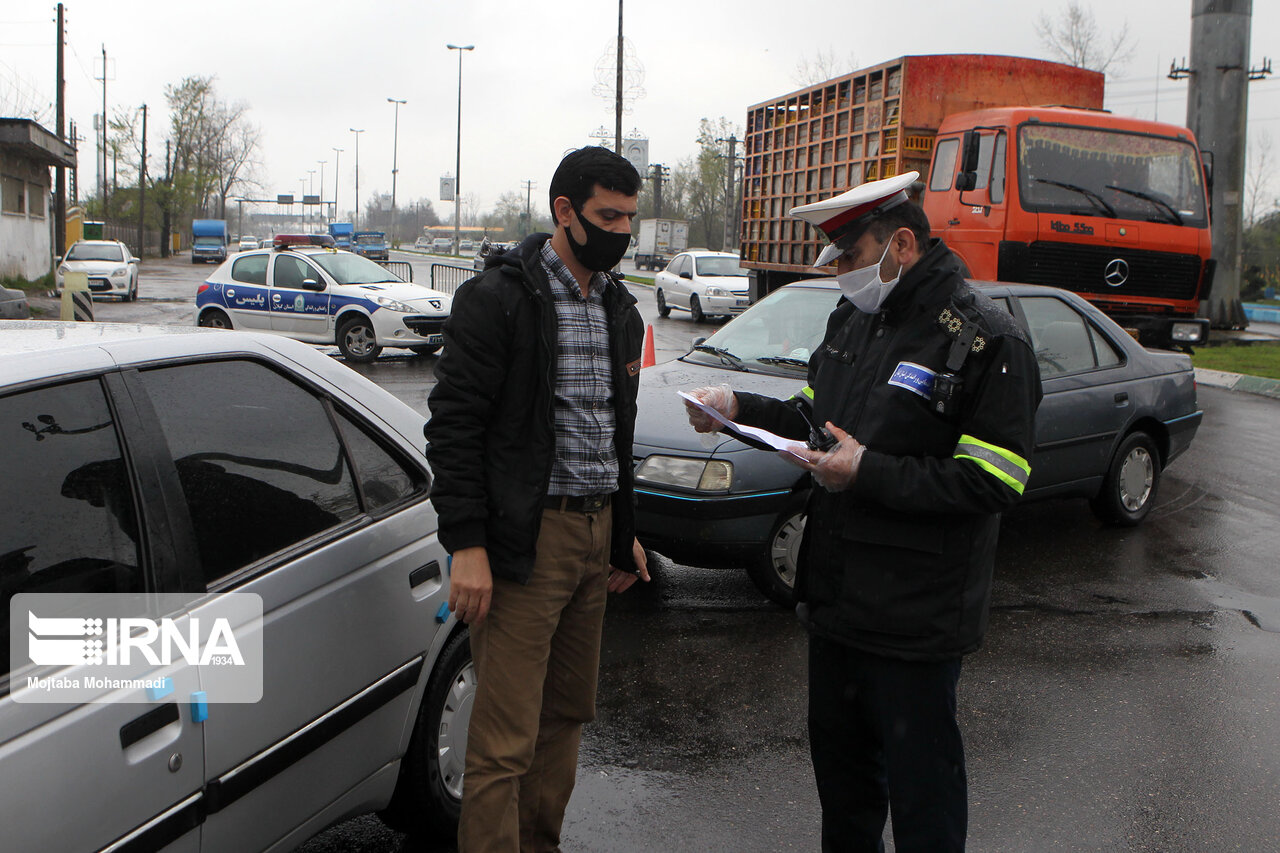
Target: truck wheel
(664, 310)
(774, 573)
(215, 319)
(357, 341)
(1129, 488)
(428, 795)
(695, 308)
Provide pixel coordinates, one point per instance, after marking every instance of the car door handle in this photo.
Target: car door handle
(421, 575)
(1122, 397)
(953, 221)
(152, 721)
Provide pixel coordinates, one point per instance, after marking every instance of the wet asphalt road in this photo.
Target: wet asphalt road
(1128, 697)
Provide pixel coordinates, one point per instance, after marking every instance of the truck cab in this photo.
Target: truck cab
(1111, 207)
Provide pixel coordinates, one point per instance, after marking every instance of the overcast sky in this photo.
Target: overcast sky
(310, 71)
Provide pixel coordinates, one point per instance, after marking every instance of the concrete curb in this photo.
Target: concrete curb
(1261, 313)
(1238, 382)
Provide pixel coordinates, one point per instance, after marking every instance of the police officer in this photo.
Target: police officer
(918, 418)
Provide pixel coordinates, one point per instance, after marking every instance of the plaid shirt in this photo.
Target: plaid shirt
(586, 460)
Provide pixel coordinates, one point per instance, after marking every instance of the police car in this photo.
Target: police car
(305, 289)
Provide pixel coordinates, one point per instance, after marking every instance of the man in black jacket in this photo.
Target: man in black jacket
(927, 392)
(532, 420)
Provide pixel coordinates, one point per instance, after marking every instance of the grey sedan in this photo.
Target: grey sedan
(13, 304)
(1114, 416)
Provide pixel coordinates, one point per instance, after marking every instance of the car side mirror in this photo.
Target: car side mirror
(312, 284)
(967, 178)
(698, 340)
(686, 274)
(57, 259)
(134, 260)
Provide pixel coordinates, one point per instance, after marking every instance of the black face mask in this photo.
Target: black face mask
(603, 249)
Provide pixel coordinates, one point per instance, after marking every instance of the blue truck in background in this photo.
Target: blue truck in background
(341, 233)
(371, 244)
(208, 240)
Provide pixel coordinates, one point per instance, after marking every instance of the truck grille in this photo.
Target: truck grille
(1084, 269)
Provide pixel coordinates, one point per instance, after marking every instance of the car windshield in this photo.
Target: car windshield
(347, 268)
(208, 241)
(369, 238)
(84, 252)
(719, 266)
(1086, 171)
(777, 334)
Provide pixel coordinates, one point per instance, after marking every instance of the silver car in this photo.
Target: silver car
(111, 267)
(180, 460)
(1114, 416)
(13, 304)
(706, 284)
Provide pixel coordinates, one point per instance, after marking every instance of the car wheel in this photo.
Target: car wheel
(1129, 488)
(428, 795)
(695, 308)
(664, 310)
(425, 349)
(356, 340)
(774, 574)
(132, 295)
(215, 319)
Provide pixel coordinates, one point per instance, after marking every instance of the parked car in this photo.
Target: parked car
(266, 242)
(370, 244)
(247, 243)
(306, 290)
(13, 304)
(442, 245)
(466, 246)
(422, 243)
(1114, 416)
(173, 460)
(111, 267)
(705, 284)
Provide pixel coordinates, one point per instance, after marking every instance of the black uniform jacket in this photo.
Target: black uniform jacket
(900, 564)
(491, 437)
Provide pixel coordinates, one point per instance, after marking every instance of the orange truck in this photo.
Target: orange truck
(1111, 207)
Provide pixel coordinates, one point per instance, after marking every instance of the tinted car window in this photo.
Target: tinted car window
(1063, 341)
(384, 480)
(250, 270)
(75, 528)
(257, 456)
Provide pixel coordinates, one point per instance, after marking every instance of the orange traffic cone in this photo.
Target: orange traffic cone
(647, 357)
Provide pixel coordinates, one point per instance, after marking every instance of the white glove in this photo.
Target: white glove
(718, 397)
(836, 469)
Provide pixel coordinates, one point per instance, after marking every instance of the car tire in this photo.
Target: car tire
(215, 319)
(428, 795)
(425, 349)
(132, 295)
(356, 340)
(774, 573)
(695, 308)
(1129, 488)
(664, 310)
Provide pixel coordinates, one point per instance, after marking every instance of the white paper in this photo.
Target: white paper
(777, 442)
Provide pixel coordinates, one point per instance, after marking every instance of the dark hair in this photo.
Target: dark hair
(582, 170)
(906, 215)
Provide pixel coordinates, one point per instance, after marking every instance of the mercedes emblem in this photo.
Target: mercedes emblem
(1117, 272)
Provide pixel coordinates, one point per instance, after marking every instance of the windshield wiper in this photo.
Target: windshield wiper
(1096, 200)
(1156, 200)
(782, 359)
(725, 356)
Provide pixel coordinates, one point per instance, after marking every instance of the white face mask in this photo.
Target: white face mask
(864, 287)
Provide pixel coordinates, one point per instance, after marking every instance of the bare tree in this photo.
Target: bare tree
(822, 66)
(1074, 38)
(1259, 201)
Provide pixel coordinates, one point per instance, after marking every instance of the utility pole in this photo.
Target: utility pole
(355, 218)
(395, 144)
(60, 201)
(103, 123)
(457, 166)
(617, 107)
(1217, 107)
(75, 140)
(658, 174)
(728, 191)
(337, 175)
(142, 187)
(528, 207)
(166, 220)
(323, 215)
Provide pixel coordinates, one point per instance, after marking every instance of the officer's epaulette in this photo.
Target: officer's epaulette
(952, 322)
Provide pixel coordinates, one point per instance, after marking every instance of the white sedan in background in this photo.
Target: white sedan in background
(111, 267)
(705, 284)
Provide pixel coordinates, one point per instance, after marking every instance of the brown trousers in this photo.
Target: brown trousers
(537, 655)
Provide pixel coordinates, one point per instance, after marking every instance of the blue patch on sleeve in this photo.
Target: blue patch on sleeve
(915, 378)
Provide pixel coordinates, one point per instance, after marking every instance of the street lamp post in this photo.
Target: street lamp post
(395, 140)
(323, 215)
(337, 153)
(356, 216)
(457, 166)
(311, 178)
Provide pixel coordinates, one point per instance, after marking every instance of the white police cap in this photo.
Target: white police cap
(844, 218)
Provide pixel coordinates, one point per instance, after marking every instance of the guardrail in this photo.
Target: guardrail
(447, 278)
(400, 269)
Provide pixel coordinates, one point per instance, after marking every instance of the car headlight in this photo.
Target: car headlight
(705, 475)
(717, 291)
(394, 304)
(1188, 333)
(118, 273)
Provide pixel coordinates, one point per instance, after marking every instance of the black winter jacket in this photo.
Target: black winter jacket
(491, 437)
(901, 563)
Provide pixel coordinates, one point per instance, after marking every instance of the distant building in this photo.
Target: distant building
(27, 152)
